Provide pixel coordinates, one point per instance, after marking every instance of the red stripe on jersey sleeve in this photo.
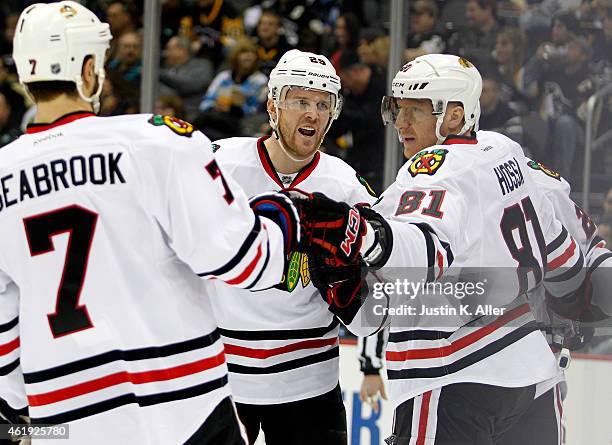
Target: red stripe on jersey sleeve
(440, 265)
(118, 378)
(561, 260)
(266, 353)
(457, 345)
(9, 347)
(248, 271)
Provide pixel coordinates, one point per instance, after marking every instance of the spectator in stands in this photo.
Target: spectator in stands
(6, 44)
(496, 114)
(9, 121)
(508, 55)
(346, 36)
(424, 37)
(169, 105)
(185, 75)
(121, 16)
(217, 25)
(271, 42)
(363, 86)
(12, 89)
(374, 48)
(563, 85)
(565, 25)
(301, 23)
(124, 70)
(173, 12)
(602, 48)
(112, 104)
(234, 93)
(478, 40)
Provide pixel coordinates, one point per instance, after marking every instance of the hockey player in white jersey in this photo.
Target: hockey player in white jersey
(564, 319)
(107, 226)
(456, 204)
(593, 307)
(282, 347)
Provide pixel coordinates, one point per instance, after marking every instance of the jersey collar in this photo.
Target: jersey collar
(65, 119)
(264, 157)
(460, 139)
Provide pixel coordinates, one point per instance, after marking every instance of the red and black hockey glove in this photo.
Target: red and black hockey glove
(330, 229)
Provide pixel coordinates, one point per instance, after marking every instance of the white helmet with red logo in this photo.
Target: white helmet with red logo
(52, 40)
(440, 78)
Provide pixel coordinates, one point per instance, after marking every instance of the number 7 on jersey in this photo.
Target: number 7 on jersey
(80, 224)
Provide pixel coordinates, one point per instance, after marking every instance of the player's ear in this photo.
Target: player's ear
(88, 74)
(271, 109)
(455, 117)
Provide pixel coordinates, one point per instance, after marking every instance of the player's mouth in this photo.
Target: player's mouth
(307, 131)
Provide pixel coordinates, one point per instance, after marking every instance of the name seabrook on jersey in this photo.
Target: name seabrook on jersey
(59, 174)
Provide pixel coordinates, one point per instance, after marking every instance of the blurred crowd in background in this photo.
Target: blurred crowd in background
(540, 61)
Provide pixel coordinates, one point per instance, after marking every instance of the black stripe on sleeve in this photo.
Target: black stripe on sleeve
(246, 245)
(431, 255)
(557, 242)
(418, 334)
(449, 252)
(569, 273)
(7, 369)
(148, 400)
(600, 259)
(125, 355)
(265, 264)
(468, 360)
(282, 334)
(9, 325)
(286, 366)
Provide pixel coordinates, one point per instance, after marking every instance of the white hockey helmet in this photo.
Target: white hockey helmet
(441, 78)
(52, 40)
(307, 70)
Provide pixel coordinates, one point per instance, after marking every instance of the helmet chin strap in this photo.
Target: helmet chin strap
(94, 99)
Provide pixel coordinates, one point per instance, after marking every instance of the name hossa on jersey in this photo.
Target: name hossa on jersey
(281, 346)
(462, 205)
(106, 224)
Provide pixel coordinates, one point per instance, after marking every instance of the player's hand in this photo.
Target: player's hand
(371, 387)
(279, 208)
(339, 285)
(329, 228)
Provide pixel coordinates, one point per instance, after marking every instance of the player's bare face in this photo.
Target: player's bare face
(303, 117)
(415, 125)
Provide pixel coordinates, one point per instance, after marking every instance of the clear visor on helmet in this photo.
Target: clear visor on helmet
(404, 111)
(305, 100)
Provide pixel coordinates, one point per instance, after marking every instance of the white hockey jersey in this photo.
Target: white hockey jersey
(104, 224)
(471, 204)
(281, 344)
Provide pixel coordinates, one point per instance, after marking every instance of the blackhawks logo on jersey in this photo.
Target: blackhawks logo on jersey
(296, 271)
(427, 162)
(175, 124)
(547, 171)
